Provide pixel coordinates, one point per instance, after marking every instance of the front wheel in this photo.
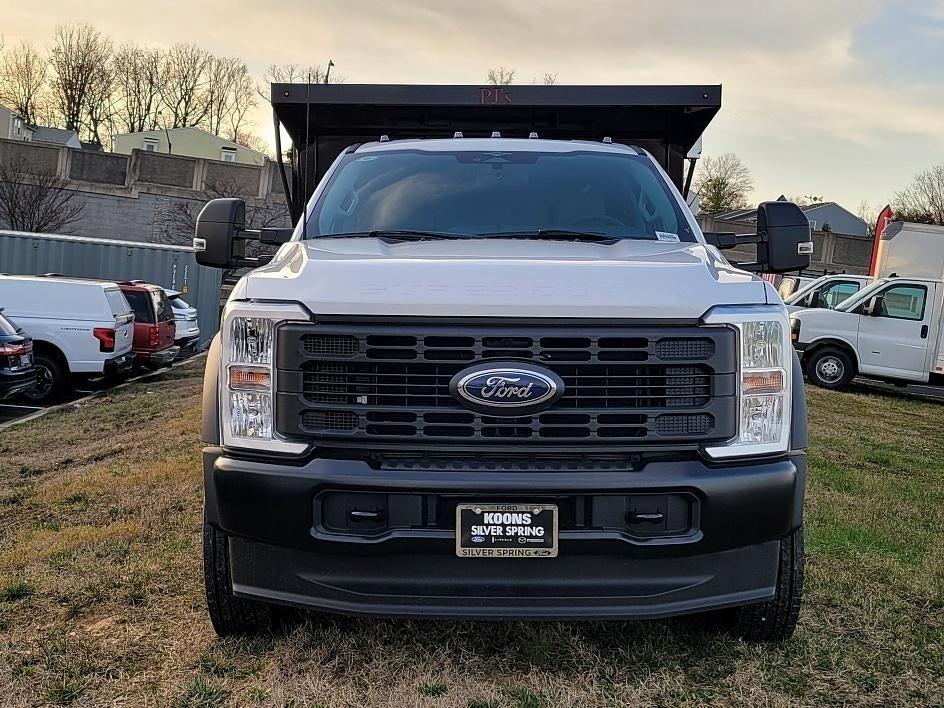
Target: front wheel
(776, 619)
(830, 368)
(229, 614)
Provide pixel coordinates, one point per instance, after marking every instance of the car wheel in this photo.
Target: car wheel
(51, 380)
(776, 619)
(830, 368)
(229, 614)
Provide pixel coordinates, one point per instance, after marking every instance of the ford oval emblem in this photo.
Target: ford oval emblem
(506, 388)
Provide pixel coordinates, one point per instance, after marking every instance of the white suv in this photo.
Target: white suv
(185, 319)
(77, 326)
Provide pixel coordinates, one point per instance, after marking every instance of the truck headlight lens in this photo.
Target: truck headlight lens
(247, 378)
(764, 386)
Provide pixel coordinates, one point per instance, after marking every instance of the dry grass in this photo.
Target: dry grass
(101, 592)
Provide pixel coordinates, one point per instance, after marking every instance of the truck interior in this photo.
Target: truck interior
(322, 120)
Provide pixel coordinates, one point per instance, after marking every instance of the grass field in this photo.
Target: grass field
(101, 591)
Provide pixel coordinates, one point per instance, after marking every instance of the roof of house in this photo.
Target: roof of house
(57, 136)
(751, 213)
(194, 128)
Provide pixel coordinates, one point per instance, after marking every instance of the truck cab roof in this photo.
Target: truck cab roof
(504, 144)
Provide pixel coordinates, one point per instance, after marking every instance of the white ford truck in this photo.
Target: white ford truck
(502, 377)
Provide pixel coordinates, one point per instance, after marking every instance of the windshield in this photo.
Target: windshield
(496, 192)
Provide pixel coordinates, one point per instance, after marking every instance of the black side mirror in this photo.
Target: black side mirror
(221, 235)
(784, 239)
(217, 238)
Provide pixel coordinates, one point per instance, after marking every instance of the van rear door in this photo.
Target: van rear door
(124, 319)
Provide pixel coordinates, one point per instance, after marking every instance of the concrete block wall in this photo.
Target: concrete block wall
(146, 196)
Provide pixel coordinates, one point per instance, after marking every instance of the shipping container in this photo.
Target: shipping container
(172, 267)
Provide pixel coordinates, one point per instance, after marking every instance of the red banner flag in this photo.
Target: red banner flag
(884, 217)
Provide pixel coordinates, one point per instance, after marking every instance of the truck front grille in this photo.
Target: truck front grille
(354, 382)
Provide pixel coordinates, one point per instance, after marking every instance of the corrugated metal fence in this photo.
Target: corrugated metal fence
(172, 267)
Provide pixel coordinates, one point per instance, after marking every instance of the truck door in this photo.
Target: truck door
(893, 341)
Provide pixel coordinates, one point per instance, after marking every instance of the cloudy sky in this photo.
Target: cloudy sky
(839, 98)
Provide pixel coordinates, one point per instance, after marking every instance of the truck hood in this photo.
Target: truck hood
(503, 278)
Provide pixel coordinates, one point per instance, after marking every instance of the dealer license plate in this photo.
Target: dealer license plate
(506, 530)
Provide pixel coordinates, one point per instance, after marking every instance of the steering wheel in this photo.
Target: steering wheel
(599, 218)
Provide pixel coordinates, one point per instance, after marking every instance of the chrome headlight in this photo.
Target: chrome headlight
(247, 375)
(764, 386)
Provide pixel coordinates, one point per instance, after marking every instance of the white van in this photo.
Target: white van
(78, 327)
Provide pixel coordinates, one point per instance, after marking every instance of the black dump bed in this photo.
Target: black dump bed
(323, 119)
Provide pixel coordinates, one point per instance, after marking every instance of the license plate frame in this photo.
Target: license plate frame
(507, 540)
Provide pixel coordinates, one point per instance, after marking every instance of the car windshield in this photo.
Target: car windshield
(179, 304)
(492, 193)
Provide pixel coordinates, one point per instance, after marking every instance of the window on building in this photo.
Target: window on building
(17, 127)
(228, 154)
(150, 144)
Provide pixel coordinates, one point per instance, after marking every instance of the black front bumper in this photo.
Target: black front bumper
(718, 548)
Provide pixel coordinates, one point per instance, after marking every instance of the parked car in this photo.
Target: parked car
(185, 318)
(17, 373)
(154, 325)
(828, 291)
(82, 327)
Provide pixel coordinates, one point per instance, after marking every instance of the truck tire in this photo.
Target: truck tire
(229, 614)
(52, 380)
(831, 368)
(775, 620)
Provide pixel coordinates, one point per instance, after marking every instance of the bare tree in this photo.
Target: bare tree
(253, 141)
(243, 102)
(79, 59)
(501, 76)
(34, 202)
(869, 214)
(231, 96)
(137, 87)
(101, 109)
(922, 201)
(722, 183)
(549, 79)
(294, 74)
(184, 77)
(23, 80)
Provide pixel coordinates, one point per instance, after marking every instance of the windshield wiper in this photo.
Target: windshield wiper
(555, 235)
(399, 235)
